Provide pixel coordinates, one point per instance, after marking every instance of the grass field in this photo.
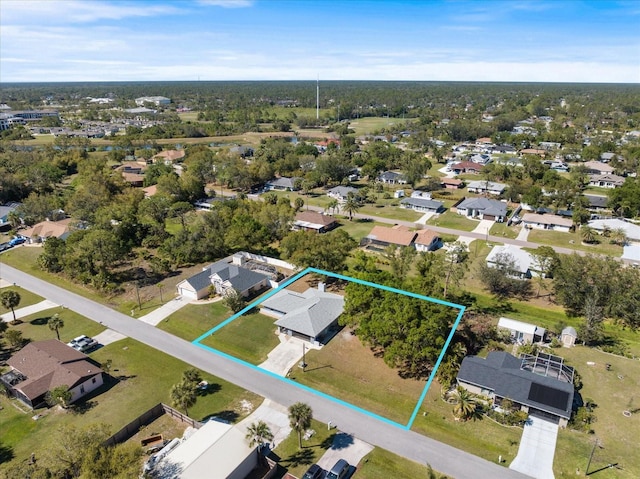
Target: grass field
(501, 229)
(250, 338)
(193, 320)
(27, 298)
(35, 328)
(453, 220)
(143, 377)
(363, 126)
(558, 238)
(346, 369)
(382, 464)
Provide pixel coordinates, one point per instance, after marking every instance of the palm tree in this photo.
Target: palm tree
(619, 236)
(465, 403)
(300, 416)
(258, 433)
(333, 205)
(351, 205)
(183, 396)
(10, 300)
(588, 234)
(55, 323)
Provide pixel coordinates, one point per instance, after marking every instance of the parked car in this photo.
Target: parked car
(314, 472)
(83, 343)
(16, 241)
(339, 470)
(5, 246)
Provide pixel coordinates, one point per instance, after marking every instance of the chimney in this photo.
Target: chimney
(321, 287)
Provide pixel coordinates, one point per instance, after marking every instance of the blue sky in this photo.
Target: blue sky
(461, 40)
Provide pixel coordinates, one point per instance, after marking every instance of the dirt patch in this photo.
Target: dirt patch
(166, 425)
(312, 280)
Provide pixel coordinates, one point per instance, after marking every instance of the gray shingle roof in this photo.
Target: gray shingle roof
(501, 373)
(200, 280)
(241, 279)
(423, 203)
(486, 205)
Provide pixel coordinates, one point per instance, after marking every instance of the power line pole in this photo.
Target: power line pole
(586, 472)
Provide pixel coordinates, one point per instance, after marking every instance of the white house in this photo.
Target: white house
(482, 208)
(156, 100)
(608, 180)
(341, 193)
(522, 332)
(630, 229)
(486, 187)
(547, 222)
(522, 260)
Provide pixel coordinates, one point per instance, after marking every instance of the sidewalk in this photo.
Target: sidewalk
(28, 310)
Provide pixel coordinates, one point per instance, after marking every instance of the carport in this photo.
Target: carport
(537, 448)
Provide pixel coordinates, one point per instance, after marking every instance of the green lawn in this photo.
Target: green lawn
(143, 377)
(574, 241)
(193, 320)
(389, 209)
(27, 298)
(346, 369)
(382, 464)
(35, 326)
(363, 126)
(358, 229)
(250, 338)
(501, 229)
(453, 220)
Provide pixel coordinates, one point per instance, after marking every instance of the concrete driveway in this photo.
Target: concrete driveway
(537, 448)
(346, 447)
(286, 355)
(108, 336)
(275, 415)
(483, 227)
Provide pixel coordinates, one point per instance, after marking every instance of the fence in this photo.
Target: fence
(147, 418)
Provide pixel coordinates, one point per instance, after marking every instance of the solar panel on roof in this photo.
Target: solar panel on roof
(548, 396)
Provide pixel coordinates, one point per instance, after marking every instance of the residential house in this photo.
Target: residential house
(39, 233)
(392, 178)
(423, 205)
(311, 315)
(282, 184)
(169, 156)
(466, 167)
(632, 230)
(133, 172)
(381, 237)
(480, 159)
(546, 222)
(522, 261)
(606, 181)
(522, 332)
(427, 240)
(149, 191)
(486, 187)
(607, 156)
(341, 193)
(5, 212)
(216, 446)
(597, 202)
(598, 168)
(451, 183)
(313, 221)
(42, 366)
(550, 145)
(223, 277)
(483, 208)
(631, 254)
(540, 386)
(156, 100)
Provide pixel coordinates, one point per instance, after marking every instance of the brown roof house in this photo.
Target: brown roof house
(313, 221)
(381, 237)
(427, 240)
(39, 233)
(42, 366)
(169, 156)
(133, 172)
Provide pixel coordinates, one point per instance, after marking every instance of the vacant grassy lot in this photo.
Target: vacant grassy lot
(27, 298)
(382, 464)
(141, 378)
(453, 220)
(250, 338)
(363, 126)
(193, 320)
(558, 238)
(35, 328)
(501, 229)
(358, 229)
(347, 370)
(296, 461)
(389, 209)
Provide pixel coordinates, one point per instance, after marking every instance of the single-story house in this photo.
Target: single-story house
(314, 221)
(133, 172)
(382, 236)
(282, 184)
(632, 230)
(481, 159)
(486, 187)
(547, 222)
(169, 156)
(522, 260)
(216, 446)
(608, 180)
(341, 193)
(547, 392)
(392, 178)
(427, 240)
(598, 168)
(223, 277)
(42, 366)
(568, 337)
(466, 167)
(422, 205)
(46, 229)
(149, 191)
(309, 315)
(596, 202)
(483, 208)
(631, 253)
(522, 332)
(451, 183)
(607, 156)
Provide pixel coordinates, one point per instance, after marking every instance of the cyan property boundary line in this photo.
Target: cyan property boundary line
(293, 279)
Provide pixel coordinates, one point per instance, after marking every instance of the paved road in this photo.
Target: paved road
(443, 458)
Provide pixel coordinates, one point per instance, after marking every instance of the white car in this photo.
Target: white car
(83, 343)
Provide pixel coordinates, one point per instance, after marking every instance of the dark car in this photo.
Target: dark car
(339, 470)
(314, 472)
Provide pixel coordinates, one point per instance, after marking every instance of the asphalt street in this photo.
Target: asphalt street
(446, 459)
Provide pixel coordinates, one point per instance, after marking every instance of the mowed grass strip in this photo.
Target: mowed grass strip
(250, 337)
(296, 461)
(454, 221)
(35, 326)
(142, 377)
(193, 320)
(27, 298)
(348, 370)
(382, 464)
(573, 240)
